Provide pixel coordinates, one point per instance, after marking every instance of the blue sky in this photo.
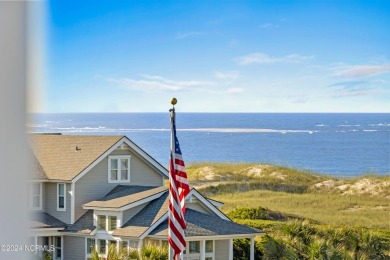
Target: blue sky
(216, 56)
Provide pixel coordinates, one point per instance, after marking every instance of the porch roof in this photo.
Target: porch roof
(83, 225)
(201, 224)
(123, 195)
(45, 220)
(146, 218)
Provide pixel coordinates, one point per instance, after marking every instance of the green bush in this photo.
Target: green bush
(147, 252)
(241, 249)
(260, 213)
(307, 240)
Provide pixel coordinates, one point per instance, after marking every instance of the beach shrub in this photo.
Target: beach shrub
(147, 252)
(241, 249)
(260, 213)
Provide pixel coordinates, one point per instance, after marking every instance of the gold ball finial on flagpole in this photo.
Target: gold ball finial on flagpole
(173, 101)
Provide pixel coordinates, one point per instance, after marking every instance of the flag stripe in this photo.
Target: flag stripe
(178, 190)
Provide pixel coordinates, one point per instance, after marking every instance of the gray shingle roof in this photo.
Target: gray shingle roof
(148, 216)
(45, 220)
(125, 195)
(201, 224)
(83, 225)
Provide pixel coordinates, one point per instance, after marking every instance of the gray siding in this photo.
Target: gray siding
(94, 184)
(222, 249)
(198, 207)
(50, 201)
(128, 214)
(140, 172)
(74, 248)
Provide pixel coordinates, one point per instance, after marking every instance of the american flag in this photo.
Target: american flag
(178, 190)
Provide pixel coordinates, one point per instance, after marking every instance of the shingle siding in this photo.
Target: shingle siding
(50, 201)
(74, 248)
(94, 184)
(222, 249)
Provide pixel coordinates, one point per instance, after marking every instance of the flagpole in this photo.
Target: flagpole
(172, 117)
(178, 191)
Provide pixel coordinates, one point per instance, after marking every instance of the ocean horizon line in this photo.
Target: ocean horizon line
(209, 112)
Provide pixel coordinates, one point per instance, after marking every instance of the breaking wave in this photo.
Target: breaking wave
(103, 129)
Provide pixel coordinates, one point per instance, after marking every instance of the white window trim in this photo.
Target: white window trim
(32, 196)
(202, 248)
(118, 157)
(86, 246)
(107, 215)
(56, 248)
(97, 246)
(58, 196)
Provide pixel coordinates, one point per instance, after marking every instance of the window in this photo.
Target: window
(36, 196)
(209, 246)
(57, 248)
(119, 168)
(106, 222)
(194, 247)
(61, 196)
(111, 223)
(90, 245)
(102, 246)
(101, 222)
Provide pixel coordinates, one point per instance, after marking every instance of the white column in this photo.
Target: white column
(170, 253)
(231, 249)
(202, 249)
(252, 257)
(36, 243)
(62, 247)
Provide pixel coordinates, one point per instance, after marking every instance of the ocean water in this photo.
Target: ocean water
(339, 144)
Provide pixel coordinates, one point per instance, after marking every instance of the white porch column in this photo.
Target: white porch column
(62, 247)
(170, 252)
(36, 243)
(231, 249)
(202, 249)
(252, 256)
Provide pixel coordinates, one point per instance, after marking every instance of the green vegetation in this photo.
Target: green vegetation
(362, 201)
(305, 240)
(147, 252)
(332, 209)
(305, 215)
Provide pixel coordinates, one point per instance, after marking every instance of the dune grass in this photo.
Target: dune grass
(362, 201)
(226, 171)
(325, 208)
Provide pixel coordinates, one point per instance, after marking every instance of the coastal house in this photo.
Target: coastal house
(89, 192)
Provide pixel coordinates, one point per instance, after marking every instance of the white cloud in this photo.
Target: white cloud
(227, 75)
(184, 35)
(155, 82)
(263, 58)
(359, 71)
